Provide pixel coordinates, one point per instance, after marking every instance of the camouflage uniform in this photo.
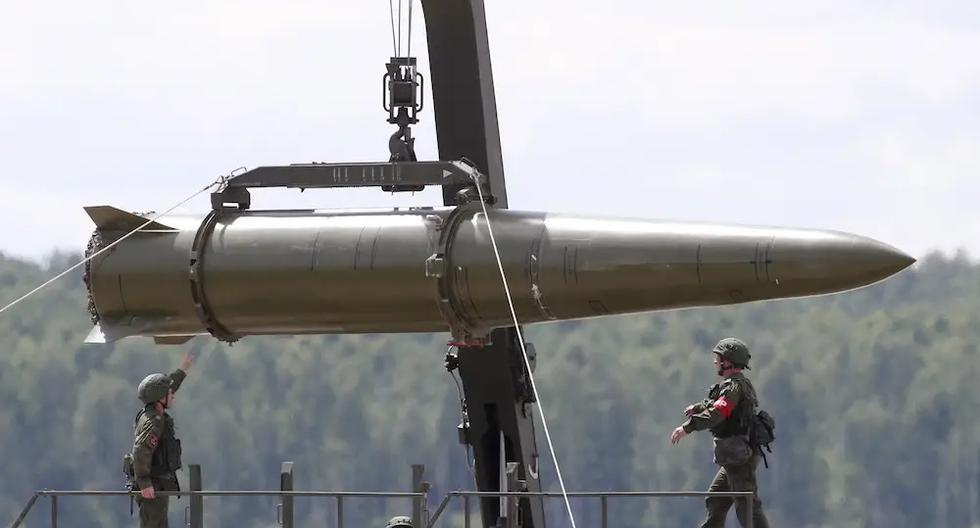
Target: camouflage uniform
(156, 458)
(726, 414)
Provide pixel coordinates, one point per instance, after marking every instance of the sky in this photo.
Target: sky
(859, 115)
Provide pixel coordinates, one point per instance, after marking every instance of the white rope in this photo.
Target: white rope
(527, 362)
(110, 246)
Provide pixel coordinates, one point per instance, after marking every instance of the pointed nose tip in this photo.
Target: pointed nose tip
(885, 259)
(835, 261)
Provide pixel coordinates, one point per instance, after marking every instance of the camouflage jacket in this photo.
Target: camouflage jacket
(727, 408)
(156, 451)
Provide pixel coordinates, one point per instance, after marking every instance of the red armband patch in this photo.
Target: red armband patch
(723, 406)
(153, 441)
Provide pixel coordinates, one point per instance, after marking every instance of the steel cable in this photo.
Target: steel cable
(394, 46)
(410, 2)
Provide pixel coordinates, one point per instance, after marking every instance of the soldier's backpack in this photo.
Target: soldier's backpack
(761, 433)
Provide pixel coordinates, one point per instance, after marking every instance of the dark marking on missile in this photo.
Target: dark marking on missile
(534, 274)
(357, 247)
(533, 263)
(737, 296)
(575, 265)
(538, 297)
(598, 308)
(564, 265)
(122, 294)
(772, 241)
(756, 261)
(374, 248)
(698, 264)
(314, 253)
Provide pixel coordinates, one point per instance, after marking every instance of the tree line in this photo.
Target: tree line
(875, 395)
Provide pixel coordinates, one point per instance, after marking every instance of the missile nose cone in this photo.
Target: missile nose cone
(885, 260)
(835, 261)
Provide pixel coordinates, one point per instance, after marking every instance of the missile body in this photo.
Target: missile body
(233, 274)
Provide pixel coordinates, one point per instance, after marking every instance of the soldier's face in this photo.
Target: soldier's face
(719, 365)
(169, 400)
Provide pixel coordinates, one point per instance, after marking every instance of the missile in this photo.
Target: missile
(237, 273)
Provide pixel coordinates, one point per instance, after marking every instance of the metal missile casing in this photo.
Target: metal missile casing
(237, 273)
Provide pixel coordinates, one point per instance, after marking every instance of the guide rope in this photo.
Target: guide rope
(520, 339)
(216, 182)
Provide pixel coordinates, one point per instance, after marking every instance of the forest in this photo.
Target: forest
(875, 394)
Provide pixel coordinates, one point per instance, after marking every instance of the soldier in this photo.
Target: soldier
(727, 413)
(156, 449)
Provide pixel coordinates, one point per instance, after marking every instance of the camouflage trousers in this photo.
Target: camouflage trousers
(153, 512)
(735, 478)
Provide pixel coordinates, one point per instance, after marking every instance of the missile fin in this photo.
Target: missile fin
(100, 335)
(95, 336)
(108, 218)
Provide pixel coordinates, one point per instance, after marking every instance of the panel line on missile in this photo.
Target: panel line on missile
(374, 247)
(772, 242)
(122, 294)
(564, 265)
(698, 265)
(575, 265)
(314, 263)
(357, 247)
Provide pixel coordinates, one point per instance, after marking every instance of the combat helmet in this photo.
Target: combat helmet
(153, 388)
(399, 522)
(733, 350)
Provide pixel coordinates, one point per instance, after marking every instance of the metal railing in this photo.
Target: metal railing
(339, 496)
(603, 496)
(194, 513)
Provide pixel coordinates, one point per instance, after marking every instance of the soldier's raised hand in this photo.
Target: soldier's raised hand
(148, 493)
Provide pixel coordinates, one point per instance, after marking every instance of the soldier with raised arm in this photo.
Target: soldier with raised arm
(156, 449)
